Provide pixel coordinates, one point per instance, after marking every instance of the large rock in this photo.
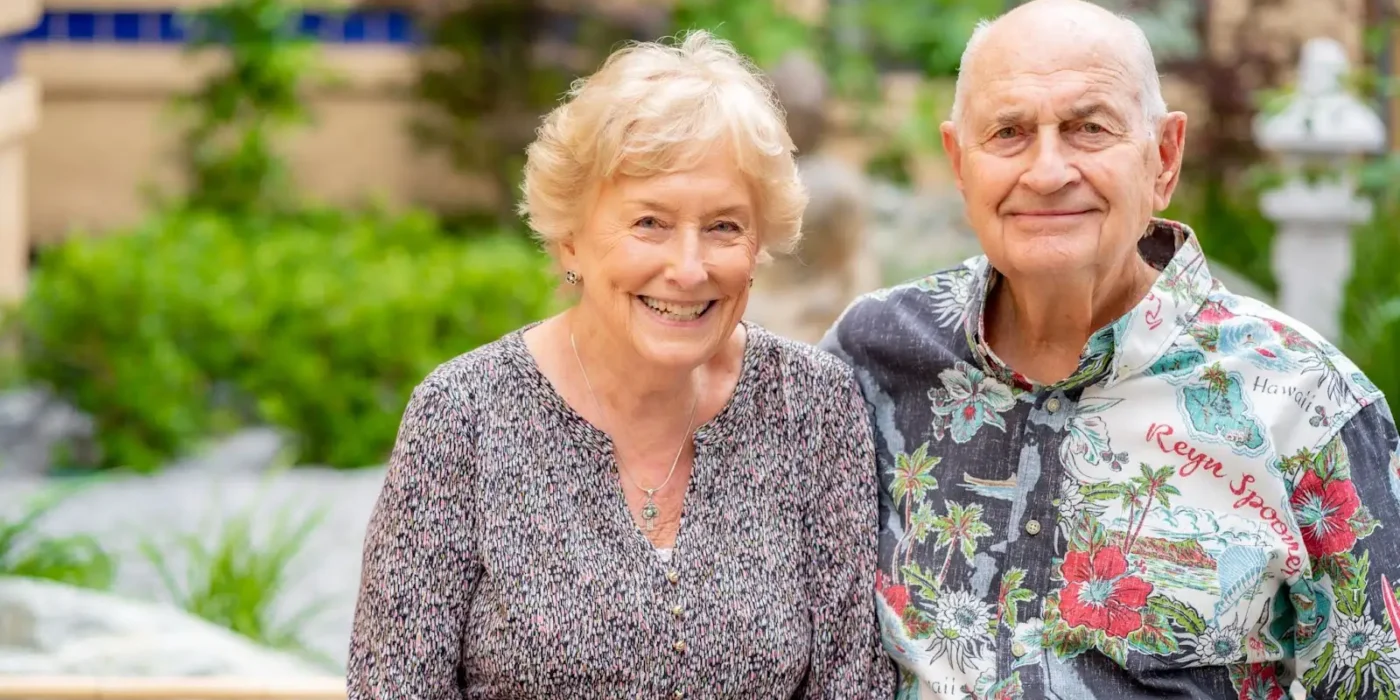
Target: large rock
(51, 629)
(34, 426)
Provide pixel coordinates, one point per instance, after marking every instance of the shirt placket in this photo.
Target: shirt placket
(1033, 535)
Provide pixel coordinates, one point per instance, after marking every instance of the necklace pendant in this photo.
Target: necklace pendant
(649, 513)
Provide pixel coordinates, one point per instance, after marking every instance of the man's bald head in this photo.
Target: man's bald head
(1054, 26)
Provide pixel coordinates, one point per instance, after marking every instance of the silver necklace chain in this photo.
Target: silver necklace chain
(650, 510)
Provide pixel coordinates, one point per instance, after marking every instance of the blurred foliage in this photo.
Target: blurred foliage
(237, 580)
(241, 305)
(487, 77)
(320, 325)
(75, 560)
(230, 148)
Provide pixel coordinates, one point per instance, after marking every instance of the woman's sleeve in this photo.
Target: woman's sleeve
(843, 530)
(419, 564)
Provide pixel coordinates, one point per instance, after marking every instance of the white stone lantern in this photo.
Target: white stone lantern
(1324, 128)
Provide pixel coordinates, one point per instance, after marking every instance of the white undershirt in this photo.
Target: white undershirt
(664, 554)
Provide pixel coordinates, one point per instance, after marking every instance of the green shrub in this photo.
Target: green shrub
(320, 324)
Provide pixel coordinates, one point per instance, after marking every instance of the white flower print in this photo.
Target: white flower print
(1353, 637)
(962, 628)
(1216, 646)
(952, 294)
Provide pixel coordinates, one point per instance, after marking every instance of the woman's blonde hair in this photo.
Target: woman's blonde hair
(653, 109)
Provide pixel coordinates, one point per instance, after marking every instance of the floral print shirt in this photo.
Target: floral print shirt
(1208, 508)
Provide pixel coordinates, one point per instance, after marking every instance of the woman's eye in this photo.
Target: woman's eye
(1006, 132)
(1092, 128)
(727, 227)
(648, 222)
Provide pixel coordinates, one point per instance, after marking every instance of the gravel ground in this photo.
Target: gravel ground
(195, 498)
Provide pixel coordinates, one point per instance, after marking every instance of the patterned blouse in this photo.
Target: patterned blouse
(1208, 508)
(501, 560)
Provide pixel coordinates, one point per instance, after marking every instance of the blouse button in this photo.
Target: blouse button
(1033, 527)
(1052, 405)
(678, 694)
(679, 646)
(678, 610)
(1018, 649)
(672, 576)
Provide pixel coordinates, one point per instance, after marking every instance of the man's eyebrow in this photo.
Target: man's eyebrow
(1009, 117)
(1092, 109)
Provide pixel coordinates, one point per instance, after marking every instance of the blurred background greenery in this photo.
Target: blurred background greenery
(256, 306)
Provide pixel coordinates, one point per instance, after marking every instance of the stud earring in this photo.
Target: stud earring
(750, 281)
(571, 277)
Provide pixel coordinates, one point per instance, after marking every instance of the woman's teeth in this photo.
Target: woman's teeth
(676, 311)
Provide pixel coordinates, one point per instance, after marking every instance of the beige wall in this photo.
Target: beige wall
(19, 105)
(109, 133)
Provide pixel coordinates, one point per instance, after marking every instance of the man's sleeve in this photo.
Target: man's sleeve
(1345, 499)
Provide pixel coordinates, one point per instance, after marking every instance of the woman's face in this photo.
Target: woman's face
(665, 261)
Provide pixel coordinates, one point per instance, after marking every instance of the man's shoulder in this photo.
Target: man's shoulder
(1279, 360)
(926, 310)
(1245, 328)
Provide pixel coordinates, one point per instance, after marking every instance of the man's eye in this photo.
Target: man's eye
(1092, 128)
(1006, 132)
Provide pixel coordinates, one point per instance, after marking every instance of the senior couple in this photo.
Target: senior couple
(1075, 467)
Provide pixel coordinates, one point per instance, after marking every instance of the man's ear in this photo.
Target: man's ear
(1171, 151)
(949, 131)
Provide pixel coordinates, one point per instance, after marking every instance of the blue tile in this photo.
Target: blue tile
(334, 27)
(82, 26)
(310, 24)
(400, 29)
(127, 26)
(39, 32)
(355, 29)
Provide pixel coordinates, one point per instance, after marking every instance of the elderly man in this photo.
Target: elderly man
(1106, 476)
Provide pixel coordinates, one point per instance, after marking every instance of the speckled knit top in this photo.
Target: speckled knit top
(501, 561)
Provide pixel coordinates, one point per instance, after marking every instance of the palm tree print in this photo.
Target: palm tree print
(960, 527)
(913, 477)
(1154, 488)
(917, 529)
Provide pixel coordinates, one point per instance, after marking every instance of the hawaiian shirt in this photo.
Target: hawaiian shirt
(1209, 507)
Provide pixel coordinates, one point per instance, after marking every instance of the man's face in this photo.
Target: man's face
(1060, 171)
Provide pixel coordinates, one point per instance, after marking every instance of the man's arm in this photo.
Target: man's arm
(1346, 501)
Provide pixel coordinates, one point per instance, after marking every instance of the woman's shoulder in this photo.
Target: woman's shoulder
(801, 364)
(483, 373)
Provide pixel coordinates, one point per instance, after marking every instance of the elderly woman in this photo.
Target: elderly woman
(641, 497)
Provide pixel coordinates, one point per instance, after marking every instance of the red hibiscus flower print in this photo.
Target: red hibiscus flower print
(1261, 683)
(1098, 594)
(897, 597)
(1324, 510)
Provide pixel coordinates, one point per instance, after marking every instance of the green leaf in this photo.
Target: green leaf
(1154, 637)
(1067, 642)
(1179, 613)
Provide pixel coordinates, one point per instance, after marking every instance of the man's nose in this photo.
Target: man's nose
(1050, 172)
(687, 264)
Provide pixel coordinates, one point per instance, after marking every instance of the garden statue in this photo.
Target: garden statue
(1323, 127)
(800, 295)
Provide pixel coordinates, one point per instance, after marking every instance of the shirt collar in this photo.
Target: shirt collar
(1131, 343)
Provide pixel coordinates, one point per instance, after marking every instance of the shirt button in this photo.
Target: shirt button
(679, 646)
(678, 610)
(1033, 527)
(672, 576)
(1053, 405)
(1018, 649)
(678, 694)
